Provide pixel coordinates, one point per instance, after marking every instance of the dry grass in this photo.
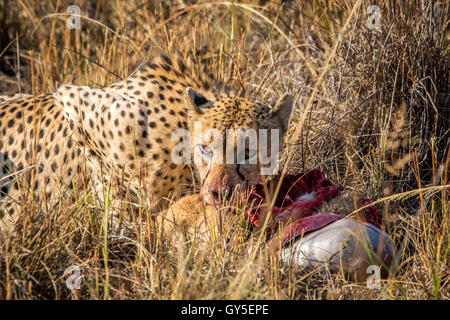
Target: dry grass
(372, 112)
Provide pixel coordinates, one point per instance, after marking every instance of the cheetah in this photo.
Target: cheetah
(124, 132)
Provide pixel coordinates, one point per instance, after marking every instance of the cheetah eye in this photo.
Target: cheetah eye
(205, 151)
(249, 156)
(252, 155)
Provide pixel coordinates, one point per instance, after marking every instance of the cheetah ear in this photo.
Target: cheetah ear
(282, 110)
(196, 101)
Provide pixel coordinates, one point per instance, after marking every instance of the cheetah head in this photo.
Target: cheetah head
(234, 141)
